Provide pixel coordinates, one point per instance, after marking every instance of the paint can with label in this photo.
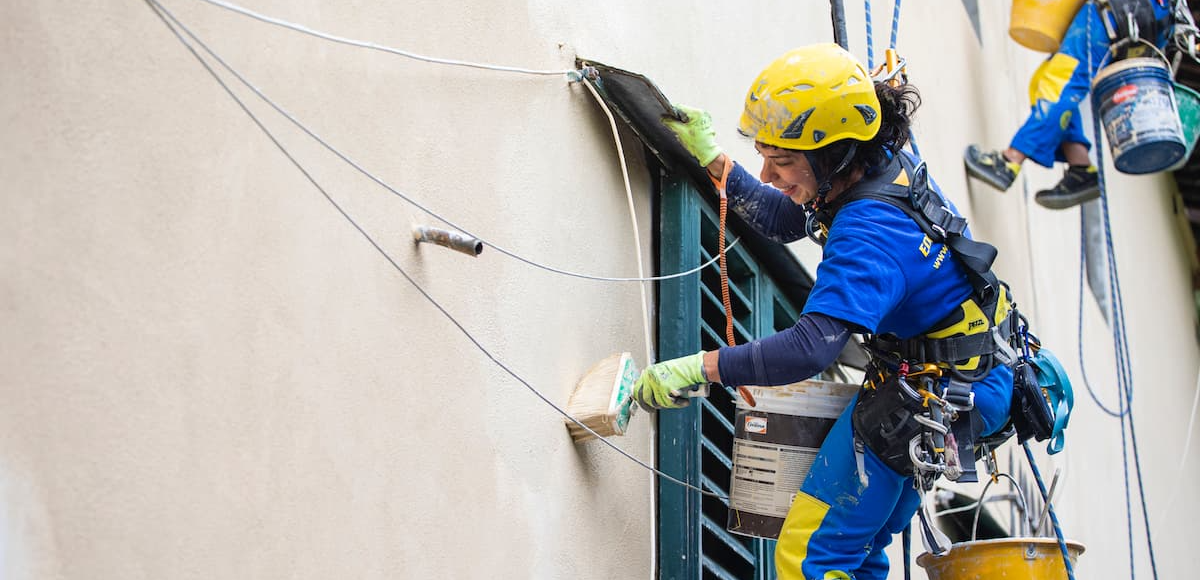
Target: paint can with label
(1135, 99)
(775, 443)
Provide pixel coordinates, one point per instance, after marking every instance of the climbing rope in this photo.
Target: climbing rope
(893, 70)
(895, 23)
(1062, 543)
(871, 33)
(870, 37)
(837, 13)
(1121, 346)
(1121, 408)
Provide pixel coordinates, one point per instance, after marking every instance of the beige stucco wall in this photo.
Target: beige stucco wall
(208, 373)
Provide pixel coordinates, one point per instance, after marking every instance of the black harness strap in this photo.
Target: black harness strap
(921, 203)
(885, 417)
(944, 349)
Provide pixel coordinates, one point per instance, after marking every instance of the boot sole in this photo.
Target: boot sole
(982, 173)
(1064, 201)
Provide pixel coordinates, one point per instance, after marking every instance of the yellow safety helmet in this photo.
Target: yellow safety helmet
(810, 97)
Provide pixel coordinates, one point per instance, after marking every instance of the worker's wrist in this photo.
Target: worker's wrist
(717, 167)
(712, 369)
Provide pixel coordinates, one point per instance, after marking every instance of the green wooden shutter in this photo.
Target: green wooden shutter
(695, 443)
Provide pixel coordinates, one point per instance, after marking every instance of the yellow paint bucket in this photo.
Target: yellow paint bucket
(1040, 24)
(1004, 558)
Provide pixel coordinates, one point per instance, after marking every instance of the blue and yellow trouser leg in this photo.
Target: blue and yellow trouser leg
(1057, 88)
(837, 528)
(876, 565)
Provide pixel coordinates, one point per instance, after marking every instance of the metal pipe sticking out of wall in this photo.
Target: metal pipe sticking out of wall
(456, 241)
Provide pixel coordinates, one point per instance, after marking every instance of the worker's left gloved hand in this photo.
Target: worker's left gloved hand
(696, 134)
(664, 385)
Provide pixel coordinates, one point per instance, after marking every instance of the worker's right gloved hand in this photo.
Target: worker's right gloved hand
(665, 385)
(696, 134)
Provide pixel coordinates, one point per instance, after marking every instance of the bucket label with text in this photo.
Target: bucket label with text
(756, 425)
(1124, 94)
(775, 443)
(766, 476)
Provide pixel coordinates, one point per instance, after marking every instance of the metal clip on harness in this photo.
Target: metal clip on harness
(932, 451)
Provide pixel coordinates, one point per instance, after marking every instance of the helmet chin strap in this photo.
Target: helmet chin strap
(817, 204)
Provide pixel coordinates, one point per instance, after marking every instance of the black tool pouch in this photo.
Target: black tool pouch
(883, 420)
(1030, 413)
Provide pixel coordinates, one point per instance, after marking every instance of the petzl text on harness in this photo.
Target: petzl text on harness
(916, 411)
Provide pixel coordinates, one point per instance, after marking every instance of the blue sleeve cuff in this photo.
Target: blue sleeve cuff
(789, 356)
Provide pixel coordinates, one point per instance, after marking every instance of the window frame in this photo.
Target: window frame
(693, 541)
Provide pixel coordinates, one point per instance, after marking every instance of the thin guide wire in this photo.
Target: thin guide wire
(172, 22)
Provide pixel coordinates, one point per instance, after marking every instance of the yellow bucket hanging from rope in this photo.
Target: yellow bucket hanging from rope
(1040, 24)
(1004, 558)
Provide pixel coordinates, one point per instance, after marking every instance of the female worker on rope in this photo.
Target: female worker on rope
(830, 140)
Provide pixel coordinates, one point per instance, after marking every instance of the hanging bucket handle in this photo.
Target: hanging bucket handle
(1112, 51)
(979, 505)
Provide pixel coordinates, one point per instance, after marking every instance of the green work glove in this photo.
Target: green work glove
(664, 385)
(696, 134)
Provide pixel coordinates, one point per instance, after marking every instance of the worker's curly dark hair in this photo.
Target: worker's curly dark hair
(897, 104)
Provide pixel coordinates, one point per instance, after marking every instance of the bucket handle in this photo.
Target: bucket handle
(1112, 51)
(979, 504)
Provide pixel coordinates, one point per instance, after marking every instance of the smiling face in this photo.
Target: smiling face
(789, 172)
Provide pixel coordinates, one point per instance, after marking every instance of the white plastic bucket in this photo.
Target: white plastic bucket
(774, 445)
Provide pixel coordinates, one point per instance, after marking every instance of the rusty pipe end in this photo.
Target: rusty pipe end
(456, 241)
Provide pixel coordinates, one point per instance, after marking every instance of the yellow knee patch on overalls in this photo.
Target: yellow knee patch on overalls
(803, 519)
(1049, 79)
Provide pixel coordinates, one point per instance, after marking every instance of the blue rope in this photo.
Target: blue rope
(912, 139)
(1079, 330)
(895, 23)
(870, 39)
(1125, 364)
(912, 142)
(1062, 544)
(871, 32)
(1137, 463)
(1117, 316)
(1121, 344)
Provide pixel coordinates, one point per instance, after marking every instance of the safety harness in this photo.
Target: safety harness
(916, 410)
